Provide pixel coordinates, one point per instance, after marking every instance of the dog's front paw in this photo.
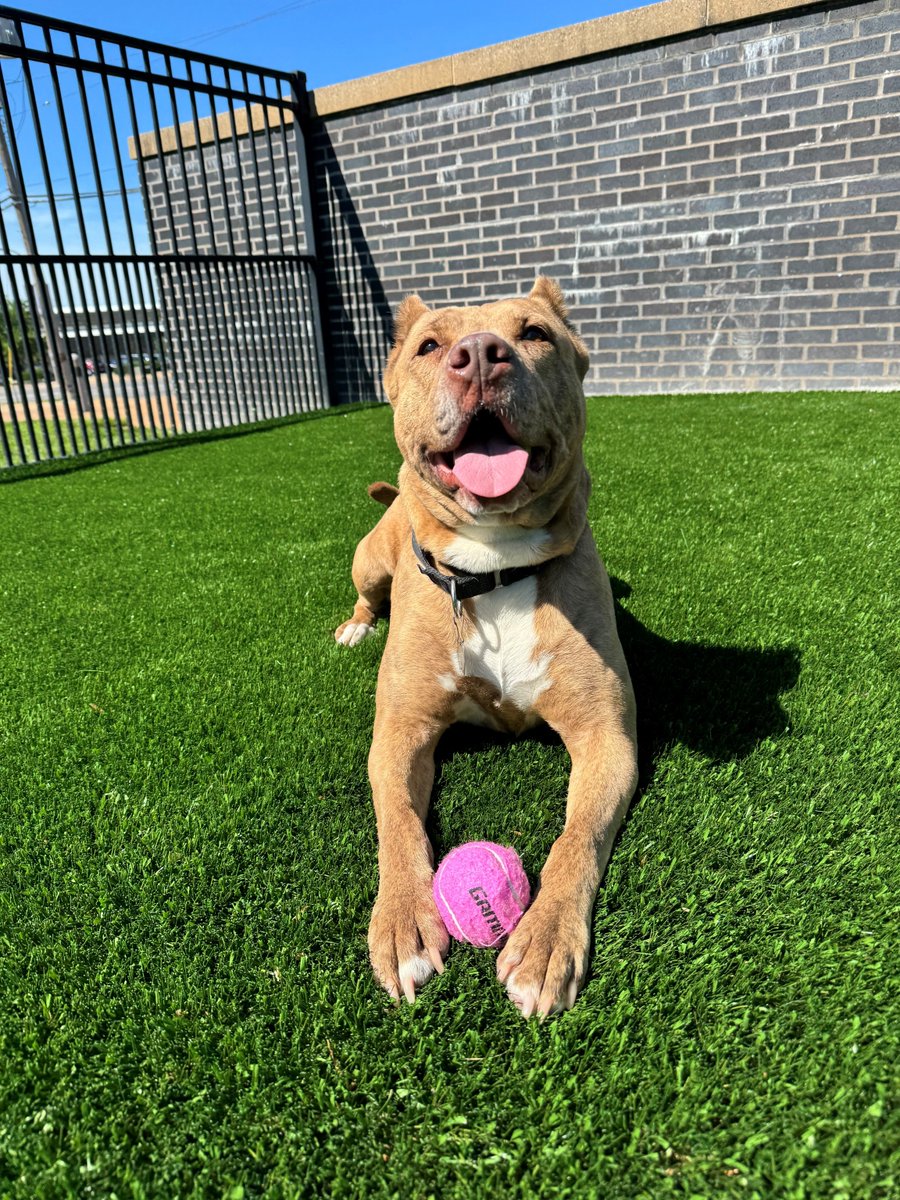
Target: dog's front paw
(408, 941)
(544, 963)
(351, 633)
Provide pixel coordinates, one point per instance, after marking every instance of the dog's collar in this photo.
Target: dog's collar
(461, 585)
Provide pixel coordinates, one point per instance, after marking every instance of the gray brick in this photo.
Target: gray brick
(842, 170)
(859, 48)
(832, 114)
(766, 85)
(736, 220)
(742, 110)
(793, 101)
(717, 133)
(665, 104)
(793, 137)
(767, 162)
(846, 92)
(887, 241)
(822, 35)
(714, 170)
(690, 154)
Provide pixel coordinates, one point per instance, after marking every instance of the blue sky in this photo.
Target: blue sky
(331, 40)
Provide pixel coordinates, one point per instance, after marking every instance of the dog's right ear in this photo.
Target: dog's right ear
(408, 313)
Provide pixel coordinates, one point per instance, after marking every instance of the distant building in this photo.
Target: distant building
(136, 327)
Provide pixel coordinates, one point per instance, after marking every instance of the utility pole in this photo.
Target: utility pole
(46, 318)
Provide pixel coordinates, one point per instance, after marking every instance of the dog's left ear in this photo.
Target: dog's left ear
(550, 293)
(547, 291)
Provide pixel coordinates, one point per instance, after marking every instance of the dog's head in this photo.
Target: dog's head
(489, 410)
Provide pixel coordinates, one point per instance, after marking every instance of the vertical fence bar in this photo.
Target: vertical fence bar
(321, 342)
(263, 227)
(40, 304)
(129, 231)
(68, 381)
(239, 169)
(87, 276)
(32, 373)
(151, 228)
(179, 146)
(8, 392)
(85, 242)
(286, 360)
(202, 160)
(125, 373)
(220, 159)
(265, 108)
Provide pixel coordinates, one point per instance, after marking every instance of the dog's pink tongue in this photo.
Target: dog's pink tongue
(490, 468)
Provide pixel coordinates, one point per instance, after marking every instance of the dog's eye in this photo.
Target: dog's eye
(428, 346)
(534, 333)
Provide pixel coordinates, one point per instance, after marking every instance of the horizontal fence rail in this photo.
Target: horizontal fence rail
(156, 254)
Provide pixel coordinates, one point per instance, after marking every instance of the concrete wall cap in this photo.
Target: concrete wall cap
(271, 117)
(651, 23)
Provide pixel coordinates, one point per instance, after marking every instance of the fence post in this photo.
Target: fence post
(311, 223)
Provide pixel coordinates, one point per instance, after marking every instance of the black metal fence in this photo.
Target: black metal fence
(156, 252)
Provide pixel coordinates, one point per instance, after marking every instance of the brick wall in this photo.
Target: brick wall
(721, 208)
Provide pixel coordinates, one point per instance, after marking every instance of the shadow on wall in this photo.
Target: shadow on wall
(355, 304)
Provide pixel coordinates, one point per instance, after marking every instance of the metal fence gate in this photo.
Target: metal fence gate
(156, 251)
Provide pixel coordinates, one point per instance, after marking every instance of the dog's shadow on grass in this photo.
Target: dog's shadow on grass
(719, 701)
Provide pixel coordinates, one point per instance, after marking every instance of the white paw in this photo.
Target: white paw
(527, 998)
(524, 997)
(353, 633)
(413, 973)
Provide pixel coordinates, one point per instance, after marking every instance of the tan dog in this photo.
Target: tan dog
(489, 415)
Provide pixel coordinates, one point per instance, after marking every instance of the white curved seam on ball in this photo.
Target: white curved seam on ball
(509, 881)
(449, 909)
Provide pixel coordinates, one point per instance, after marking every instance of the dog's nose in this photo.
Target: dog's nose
(483, 357)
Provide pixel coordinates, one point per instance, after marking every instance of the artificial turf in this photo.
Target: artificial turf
(187, 852)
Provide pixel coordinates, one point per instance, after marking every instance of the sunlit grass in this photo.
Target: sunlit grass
(187, 852)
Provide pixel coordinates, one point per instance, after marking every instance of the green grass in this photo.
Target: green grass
(187, 853)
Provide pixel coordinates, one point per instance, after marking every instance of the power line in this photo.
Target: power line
(9, 201)
(275, 12)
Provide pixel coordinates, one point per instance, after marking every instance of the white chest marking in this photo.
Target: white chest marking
(502, 650)
(495, 547)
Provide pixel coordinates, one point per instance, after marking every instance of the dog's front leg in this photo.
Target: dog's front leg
(407, 938)
(544, 963)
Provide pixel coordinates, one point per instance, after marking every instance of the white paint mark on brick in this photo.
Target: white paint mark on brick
(757, 53)
(461, 110)
(448, 174)
(522, 99)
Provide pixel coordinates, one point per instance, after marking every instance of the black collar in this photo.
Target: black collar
(462, 586)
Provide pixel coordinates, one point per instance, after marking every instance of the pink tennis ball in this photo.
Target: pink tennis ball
(481, 891)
